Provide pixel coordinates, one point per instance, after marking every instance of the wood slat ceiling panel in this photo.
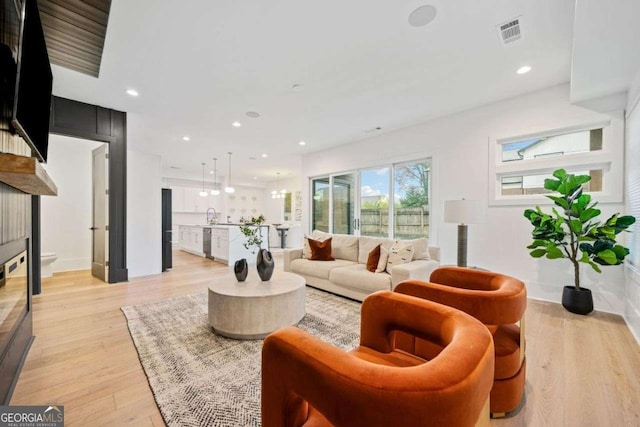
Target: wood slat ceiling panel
(87, 57)
(72, 63)
(75, 31)
(70, 31)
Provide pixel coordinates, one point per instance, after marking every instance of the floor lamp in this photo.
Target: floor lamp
(463, 212)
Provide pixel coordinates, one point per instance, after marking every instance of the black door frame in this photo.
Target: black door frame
(80, 120)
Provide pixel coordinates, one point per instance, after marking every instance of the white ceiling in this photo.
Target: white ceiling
(605, 48)
(200, 65)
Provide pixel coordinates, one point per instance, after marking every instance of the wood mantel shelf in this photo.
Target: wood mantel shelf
(26, 174)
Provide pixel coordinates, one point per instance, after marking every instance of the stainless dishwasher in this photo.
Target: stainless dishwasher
(206, 242)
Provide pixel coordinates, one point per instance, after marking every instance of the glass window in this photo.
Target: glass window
(344, 192)
(320, 204)
(374, 202)
(553, 146)
(411, 199)
(534, 184)
(518, 166)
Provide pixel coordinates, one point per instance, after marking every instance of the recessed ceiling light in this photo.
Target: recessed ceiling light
(132, 92)
(186, 138)
(211, 172)
(524, 70)
(253, 114)
(236, 124)
(255, 177)
(422, 16)
(302, 143)
(265, 155)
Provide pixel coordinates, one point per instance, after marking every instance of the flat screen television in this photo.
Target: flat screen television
(32, 100)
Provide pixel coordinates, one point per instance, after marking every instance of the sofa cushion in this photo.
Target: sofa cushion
(420, 248)
(343, 246)
(400, 253)
(317, 268)
(320, 251)
(366, 244)
(356, 276)
(373, 259)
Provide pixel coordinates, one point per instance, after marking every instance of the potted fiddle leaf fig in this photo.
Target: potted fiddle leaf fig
(572, 231)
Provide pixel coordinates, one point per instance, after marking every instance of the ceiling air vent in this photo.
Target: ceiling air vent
(510, 31)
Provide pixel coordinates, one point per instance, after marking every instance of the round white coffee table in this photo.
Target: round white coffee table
(253, 309)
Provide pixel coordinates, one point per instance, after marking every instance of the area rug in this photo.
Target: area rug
(202, 379)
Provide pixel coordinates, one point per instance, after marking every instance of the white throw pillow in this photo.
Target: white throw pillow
(382, 262)
(420, 248)
(399, 254)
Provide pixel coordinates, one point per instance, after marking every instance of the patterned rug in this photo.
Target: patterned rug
(202, 379)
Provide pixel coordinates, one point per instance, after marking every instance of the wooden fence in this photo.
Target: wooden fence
(410, 223)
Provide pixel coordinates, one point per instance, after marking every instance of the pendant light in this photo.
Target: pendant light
(215, 191)
(203, 193)
(275, 194)
(229, 189)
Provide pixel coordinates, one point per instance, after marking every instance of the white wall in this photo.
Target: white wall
(632, 198)
(66, 218)
(144, 214)
(458, 145)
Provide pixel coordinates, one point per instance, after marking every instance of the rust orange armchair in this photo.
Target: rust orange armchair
(307, 382)
(496, 300)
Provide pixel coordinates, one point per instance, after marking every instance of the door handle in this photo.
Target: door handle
(94, 228)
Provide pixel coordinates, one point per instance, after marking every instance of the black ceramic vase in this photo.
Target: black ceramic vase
(577, 301)
(241, 269)
(265, 264)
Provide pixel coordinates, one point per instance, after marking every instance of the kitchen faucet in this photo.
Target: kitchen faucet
(214, 218)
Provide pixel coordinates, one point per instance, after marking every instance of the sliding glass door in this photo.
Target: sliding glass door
(411, 199)
(344, 203)
(387, 201)
(375, 187)
(320, 195)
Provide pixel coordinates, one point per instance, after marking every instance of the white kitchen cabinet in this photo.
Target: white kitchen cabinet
(188, 199)
(227, 244)
(190, 239)
(220, 243)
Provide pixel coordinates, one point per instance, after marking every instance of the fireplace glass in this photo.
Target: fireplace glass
(14, 295)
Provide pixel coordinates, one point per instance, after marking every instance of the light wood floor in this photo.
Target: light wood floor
(582, 371)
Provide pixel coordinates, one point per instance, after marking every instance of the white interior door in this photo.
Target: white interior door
(100, 213)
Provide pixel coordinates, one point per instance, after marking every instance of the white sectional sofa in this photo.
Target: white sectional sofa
(348, 275)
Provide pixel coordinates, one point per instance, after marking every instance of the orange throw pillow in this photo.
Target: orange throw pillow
(372, 260)
(321, 251)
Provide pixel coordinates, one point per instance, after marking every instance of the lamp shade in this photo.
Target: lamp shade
(463, 211)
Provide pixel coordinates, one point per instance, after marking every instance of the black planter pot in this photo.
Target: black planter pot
(241, 269)
(577, 301)
(265, 264)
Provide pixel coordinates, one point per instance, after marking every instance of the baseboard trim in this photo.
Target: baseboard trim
(631, 314)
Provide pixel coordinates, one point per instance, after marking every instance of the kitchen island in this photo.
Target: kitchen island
(220, 242)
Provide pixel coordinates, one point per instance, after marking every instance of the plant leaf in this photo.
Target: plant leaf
(538, 253)
(553, 252)
(560, 173)
(608, 256)
(551, 184)
(560, 201)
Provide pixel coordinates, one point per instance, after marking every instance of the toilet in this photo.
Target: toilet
(45, 263)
